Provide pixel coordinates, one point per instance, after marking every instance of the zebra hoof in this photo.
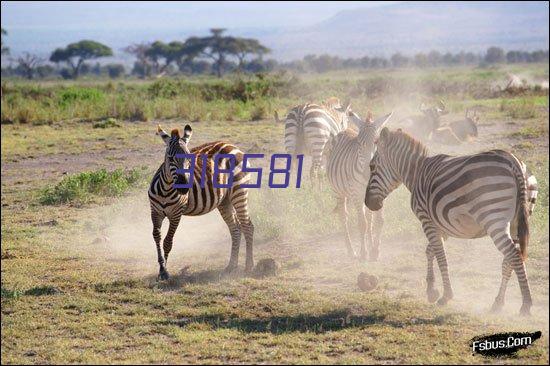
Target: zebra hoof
(443, 300)
(373, 257)
(433, 295)
(229, 269)
(525, 310)
(163, 275)
(497, 306)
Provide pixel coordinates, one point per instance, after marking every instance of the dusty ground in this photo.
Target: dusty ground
(110, 308)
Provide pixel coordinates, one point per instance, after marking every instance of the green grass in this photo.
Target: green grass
(242, 99)
(519, 109)
(67, 297)
(84, 187)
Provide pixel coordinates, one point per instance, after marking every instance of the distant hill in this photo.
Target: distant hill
(419, 26)
(378, 30)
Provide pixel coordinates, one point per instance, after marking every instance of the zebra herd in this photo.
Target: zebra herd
(485, 194)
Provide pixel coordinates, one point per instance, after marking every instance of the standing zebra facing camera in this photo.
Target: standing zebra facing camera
(348, 157)
(472, 196)
(309, 126)
(169, 202)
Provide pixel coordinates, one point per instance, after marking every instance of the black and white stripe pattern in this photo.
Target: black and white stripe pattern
(348, 156)
(309, 126)
(466, 197)
(171, 203)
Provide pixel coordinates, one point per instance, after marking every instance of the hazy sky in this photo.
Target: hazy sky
(83, 15)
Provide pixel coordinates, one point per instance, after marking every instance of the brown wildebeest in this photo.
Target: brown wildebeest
(458, 131)
(423, 126)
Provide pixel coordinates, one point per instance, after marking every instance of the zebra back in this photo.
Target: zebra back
(309, 126)
(202, 197)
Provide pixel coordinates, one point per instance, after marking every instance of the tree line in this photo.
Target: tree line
(219, 54)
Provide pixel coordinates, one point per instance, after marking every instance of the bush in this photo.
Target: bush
(115, 70)
(109, 122)
(82, 187)
(522, 108)
(71, 95)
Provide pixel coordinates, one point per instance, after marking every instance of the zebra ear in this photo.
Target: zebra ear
(347, 105)
(380, 122)
(187, 132)
(384, 134)
(165, 137)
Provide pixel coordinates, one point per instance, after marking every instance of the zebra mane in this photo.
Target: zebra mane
(332, 103)
(400, 137)
(331, 106)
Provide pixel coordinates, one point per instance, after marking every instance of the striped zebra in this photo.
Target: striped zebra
(169, 202)
(348, 156)
(309, 126)
(465, 197)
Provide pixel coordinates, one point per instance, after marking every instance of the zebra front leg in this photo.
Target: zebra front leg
(167, 243)
(504, 243)
(436, 249)
(341, 205)
(364, 221)
(228, 215)
(431, 292)
(157, 223)
(239, 201)
(506, 274)
(377, 224)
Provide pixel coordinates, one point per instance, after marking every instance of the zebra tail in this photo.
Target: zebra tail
(523, 214)
(523, 230)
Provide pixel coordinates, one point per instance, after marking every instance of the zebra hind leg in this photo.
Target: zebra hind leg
(504, 243)
(228, 214)
(506, 274)
(157, 223)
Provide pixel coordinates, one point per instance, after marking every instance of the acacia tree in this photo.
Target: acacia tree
(75, 54)
(242, 47)
(5, 50)
(143, 65)
(28, 64)
(215, 47)
(495, 55)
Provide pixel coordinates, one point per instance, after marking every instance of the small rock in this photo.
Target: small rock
(366, 282)
(265, 267)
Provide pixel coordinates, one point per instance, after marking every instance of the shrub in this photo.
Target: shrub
(523, 108)
(109, 122)
(78, 94)
(83, 187)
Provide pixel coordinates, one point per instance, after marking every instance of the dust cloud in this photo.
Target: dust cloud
(204, 242)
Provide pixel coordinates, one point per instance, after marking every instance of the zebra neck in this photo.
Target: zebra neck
(408, 169)
(166, 173)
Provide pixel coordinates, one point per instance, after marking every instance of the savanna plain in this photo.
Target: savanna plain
(79, 267)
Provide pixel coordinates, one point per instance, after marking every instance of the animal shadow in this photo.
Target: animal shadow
(330, 321)
(185, 277)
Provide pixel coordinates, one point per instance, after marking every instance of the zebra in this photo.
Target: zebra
(469, 196)
(348, 156)
(309, 126)
(169, 202)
